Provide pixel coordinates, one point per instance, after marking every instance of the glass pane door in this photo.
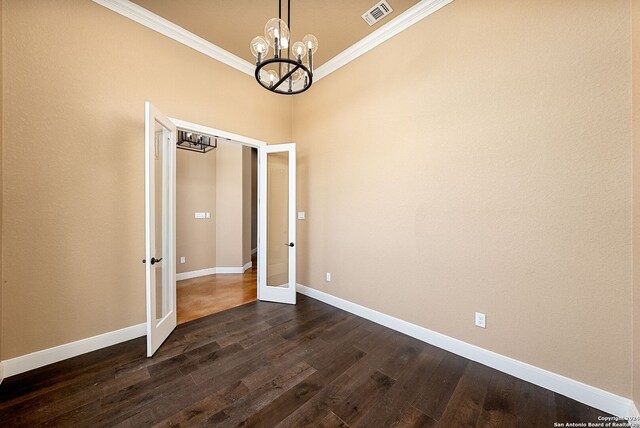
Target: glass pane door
(277, 254)
(277, 219)
(160, 161)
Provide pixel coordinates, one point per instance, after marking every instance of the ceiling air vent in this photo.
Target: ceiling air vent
(377, 12)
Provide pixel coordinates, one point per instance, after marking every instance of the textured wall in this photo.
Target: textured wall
(195, 192)
(481, 161)
(76, 76)
(1, 149)
(635, 13)
(229, 198)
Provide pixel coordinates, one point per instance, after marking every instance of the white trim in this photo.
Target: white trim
(37, 359)
(233, 269)
(177, 33)
(167, 28)
(213, 271)
(195, 274)
(403, 21)
(592, 396)
(254, 251)
(1, 371)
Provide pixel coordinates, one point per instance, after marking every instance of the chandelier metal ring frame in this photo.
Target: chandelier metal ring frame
(273, 87)
(283, 75)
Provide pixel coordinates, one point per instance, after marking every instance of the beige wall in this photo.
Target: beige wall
(481, 161)
(635, 13)
(196, 192)
(1, 186)
(229, 198)
(246, 205)
(76, 76)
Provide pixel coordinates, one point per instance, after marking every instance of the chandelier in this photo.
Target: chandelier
(282, 74)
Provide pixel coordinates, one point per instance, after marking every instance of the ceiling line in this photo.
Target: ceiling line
(398, 24)
(167, 28)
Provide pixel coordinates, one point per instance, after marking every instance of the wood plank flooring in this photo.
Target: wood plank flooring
(206, 295)
(265, 365)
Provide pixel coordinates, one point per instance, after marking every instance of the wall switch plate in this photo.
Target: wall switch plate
(300, 215)
(481, 320)
(200, 215)
(328, 276)
(183, 259)
(208, 215)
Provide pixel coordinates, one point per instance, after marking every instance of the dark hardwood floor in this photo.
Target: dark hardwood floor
(265, 364)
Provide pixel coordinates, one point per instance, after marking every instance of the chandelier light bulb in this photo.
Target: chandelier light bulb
(310, 42)
(259, 47)
(298, 50)
(296, 75)
(276, 28)
(273, 77)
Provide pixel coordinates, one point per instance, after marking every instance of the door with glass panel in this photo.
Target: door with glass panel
(277, 233)
(160, 214)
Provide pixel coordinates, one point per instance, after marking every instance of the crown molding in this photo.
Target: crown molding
(403, 21)
(167, 28)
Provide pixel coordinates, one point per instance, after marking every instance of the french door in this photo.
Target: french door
(276, 221)
(277, 224)
(160, 215)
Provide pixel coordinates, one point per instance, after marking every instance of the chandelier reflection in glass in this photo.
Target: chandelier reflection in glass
(282, 74)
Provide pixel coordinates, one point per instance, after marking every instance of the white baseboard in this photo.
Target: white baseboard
(37, 359)
(1, 371)
(254, 251)
(589, 395)
(195, 274)
(212, 271)
(247, 266)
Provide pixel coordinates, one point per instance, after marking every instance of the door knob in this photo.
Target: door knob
(290, 244)
(154, 260)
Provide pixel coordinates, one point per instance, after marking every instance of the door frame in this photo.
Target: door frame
(244, 141)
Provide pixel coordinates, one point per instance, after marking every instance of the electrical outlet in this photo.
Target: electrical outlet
(300, 215)
(183, 259)
(481, 320)
(328, 276)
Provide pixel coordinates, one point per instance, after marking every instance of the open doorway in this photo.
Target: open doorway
(161, 258)
(216, 225)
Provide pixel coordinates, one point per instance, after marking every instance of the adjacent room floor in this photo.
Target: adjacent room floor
(206, 295)
(267, 364)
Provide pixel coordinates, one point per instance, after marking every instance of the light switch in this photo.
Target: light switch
(200, 215)
(208, 215)
(300, 215)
